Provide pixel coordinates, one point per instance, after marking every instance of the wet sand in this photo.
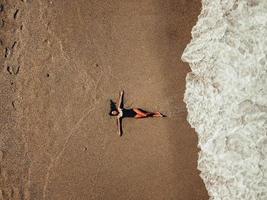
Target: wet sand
(58, 141)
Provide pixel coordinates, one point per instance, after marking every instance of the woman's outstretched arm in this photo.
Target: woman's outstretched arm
(120, 104)
(119, 126)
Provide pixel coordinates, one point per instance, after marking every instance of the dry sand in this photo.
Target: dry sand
(57, 140)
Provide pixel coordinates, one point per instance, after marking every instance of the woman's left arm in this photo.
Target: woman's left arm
(120, 104)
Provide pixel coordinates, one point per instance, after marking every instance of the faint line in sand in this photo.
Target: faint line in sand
(60, 153)
(96, 83)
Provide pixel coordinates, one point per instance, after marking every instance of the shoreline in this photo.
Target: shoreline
(225, 97)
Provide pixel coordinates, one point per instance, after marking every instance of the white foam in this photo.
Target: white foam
(226, 97)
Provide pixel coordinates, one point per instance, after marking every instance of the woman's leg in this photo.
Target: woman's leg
(143, 114)
(158, 114)
(140, 113)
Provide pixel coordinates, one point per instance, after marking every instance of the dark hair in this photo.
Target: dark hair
(112, 107)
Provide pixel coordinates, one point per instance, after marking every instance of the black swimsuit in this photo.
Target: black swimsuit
(128, 113)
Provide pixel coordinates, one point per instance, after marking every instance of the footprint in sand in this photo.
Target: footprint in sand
(13, 70)
(1, 8)
(7, 52)
(2, 23)
(1, 156)
(16, 14)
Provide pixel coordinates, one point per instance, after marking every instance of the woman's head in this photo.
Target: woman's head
(113, 109)
(113, 113)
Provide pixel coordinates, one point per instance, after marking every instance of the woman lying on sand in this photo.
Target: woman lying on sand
(122, 112)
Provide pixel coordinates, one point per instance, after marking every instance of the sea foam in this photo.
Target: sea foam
(226, 97)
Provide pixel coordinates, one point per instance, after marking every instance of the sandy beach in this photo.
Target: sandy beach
(70, 58)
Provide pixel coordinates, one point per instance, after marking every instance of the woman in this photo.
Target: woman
(122, 112)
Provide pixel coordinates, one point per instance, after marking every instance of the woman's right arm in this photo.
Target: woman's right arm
(119, 126)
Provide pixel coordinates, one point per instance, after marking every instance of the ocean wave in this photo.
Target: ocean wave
(226, 97)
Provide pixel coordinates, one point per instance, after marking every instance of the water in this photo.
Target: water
(226, 97)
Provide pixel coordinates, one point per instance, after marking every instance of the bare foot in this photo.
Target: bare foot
(158, 114)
